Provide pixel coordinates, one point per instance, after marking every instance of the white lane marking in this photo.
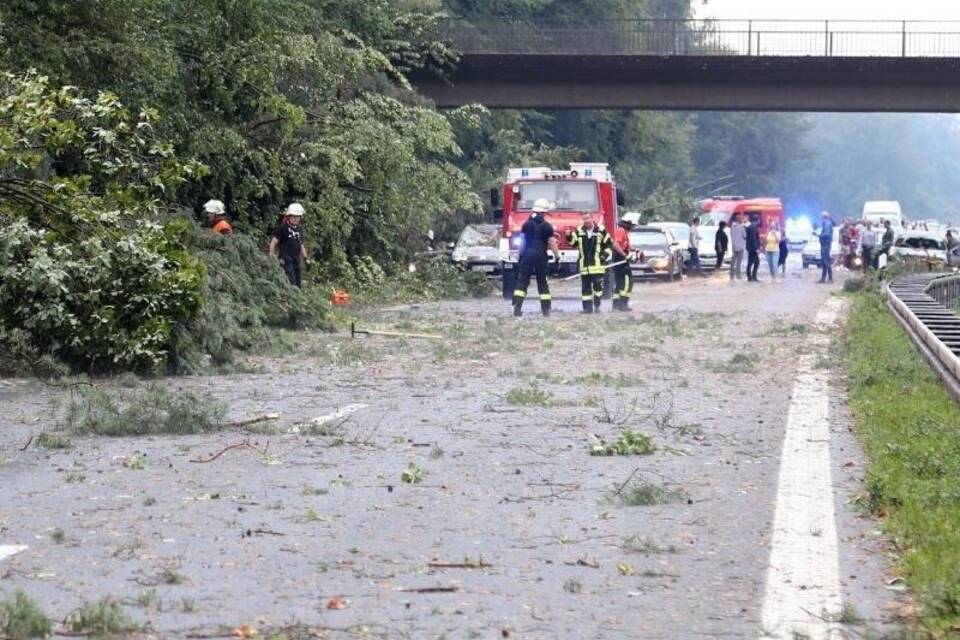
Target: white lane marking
(7, 550)
(803, 579)
(319, 421)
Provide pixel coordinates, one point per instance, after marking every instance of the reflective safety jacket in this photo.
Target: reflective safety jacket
(594, 250)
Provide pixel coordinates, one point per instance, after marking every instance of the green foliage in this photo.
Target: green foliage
(282, 99)
(101, 619)
(908, 424)
(150, 410)
(529, 396)
(630, 443)
(88, 273)
(246, 299)
(647, 493)
(413, 474)
(21, 618)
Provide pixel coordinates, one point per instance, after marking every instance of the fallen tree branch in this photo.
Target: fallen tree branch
(240, 445)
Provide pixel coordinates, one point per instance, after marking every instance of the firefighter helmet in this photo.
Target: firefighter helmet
(215, 207)
(541, 206)
(632, 219)
(295, 210)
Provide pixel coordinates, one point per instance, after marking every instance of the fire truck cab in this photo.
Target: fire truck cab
(586, 187)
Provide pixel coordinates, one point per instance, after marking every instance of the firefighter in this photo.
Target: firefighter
(287, 244)
(595, 247)
(623, 279)
(217, 218)
(537, 239)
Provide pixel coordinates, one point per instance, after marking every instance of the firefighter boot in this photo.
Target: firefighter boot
(545, 307)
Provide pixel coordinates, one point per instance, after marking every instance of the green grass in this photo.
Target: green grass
(529, 396)
(101, 619)
(21, 618)
(630, 443)
(910, 428)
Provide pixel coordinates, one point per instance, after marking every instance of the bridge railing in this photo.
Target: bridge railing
(828, 38)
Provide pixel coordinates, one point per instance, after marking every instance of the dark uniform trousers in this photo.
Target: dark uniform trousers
(591, 291)
(530, 266)
(623, 284)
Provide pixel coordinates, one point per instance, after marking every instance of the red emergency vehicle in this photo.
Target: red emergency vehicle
(723, 208)
(586, 187)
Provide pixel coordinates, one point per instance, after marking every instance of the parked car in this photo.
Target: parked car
(478, 248)
(658, 253)
(921, 247)
(680, 232)
(709, 224)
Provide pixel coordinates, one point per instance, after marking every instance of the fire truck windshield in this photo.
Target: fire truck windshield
(563, 195)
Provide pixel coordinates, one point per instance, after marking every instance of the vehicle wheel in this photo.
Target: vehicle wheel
(509, 282)
(806, 265)
(680, 271)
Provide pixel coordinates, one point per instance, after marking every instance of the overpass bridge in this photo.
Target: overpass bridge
(759, 65)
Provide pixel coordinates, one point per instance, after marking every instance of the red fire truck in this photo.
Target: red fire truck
(586, 187)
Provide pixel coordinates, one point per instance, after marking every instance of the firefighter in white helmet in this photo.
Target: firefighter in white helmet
(287, 243)
(217, 217)
(622, 277)
(538, 238)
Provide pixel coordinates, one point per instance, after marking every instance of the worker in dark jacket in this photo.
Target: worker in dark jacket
(721, 243)
(287, 243)
(595, 247)
(623, 278)
(753, 248)
(537, 239)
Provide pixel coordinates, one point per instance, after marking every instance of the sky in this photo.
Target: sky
(829, 9)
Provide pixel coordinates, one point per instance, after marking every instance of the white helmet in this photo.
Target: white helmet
(632, 218)
(295, 209)
(541, 206)
(215, 207)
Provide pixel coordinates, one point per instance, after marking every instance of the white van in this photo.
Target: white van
(876, 211)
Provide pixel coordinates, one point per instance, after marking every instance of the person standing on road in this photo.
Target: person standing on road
(595, 248)
(287, 243)
(753, 248)
(784, 254)
(623, 279)
(826, 239)
(537, 239)
(953, 247)
(721, 243)
(738, 244)
(693, 245)
(772, 243)
(886, 243)
(868, 241)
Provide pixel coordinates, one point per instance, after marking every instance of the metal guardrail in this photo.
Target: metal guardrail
(826, 38)
(922, 304)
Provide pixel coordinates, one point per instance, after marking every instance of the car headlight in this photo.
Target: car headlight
(660, 263)
(516, 241)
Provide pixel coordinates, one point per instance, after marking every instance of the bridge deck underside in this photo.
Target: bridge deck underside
(755, 83)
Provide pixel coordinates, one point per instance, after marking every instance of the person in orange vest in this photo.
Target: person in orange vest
(623, 278)
(217, 218)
